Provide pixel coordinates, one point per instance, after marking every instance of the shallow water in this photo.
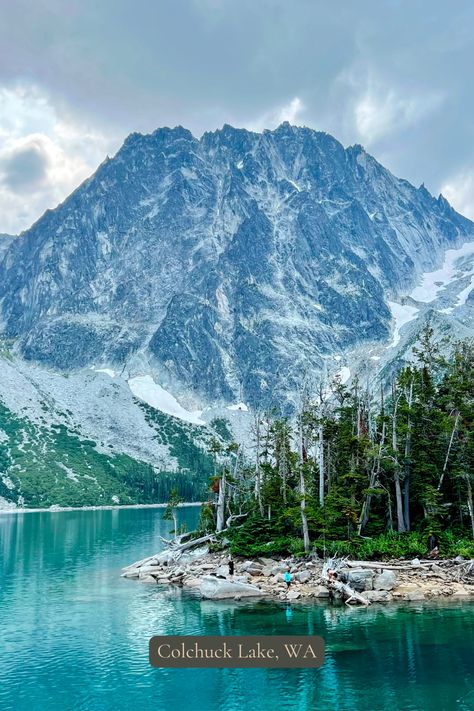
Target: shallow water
(74, 635)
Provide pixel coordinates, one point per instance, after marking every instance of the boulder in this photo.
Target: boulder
(254, 571)
(387, 580)
(321, 592)
(293, 595)
(221, 571)
(213, 588)
(360, 579)
(378, 595)
(148, 569)
(407, 588)
(414, 596)
(194, 554)
(249, 565)
(132, 573)
(304, 576)
(147, 579)
(267, 562)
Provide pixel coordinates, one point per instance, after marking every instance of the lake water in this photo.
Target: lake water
(74, 635)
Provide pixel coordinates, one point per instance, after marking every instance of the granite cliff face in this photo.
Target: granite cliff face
(231, 265)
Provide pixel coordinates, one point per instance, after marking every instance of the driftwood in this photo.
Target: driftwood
(346, 591)
(464, 568)
(374, 565)
(172, 553)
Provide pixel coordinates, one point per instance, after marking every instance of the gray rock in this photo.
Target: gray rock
(416, 562)
(213, 588)
(378, 595)
(360, 579)
(414, 595)
(293, 595)
(222, 571)
(387, 580)
(321, 592)
(251, 565)
(279, 568)
(147, 579)
(132, 573)
(304, 576)
(267, 562)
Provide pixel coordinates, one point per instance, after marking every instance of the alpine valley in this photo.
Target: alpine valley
(191, 282)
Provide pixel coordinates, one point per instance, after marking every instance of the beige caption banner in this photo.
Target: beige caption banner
(256, 651)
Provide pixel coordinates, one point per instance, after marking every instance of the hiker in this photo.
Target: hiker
(231, 567)
(332, 575)
(287, 577)
(433, 548)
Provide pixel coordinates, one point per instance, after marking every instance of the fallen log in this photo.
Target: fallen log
(346, 591)
(173, 553)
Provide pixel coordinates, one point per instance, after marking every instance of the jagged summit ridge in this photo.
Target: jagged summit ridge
(230, 265)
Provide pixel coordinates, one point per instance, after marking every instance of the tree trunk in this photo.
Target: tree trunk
(445, 466)
(304, 520)
(221, 504)
(258, 473)
(470, 503)
(406, 488)
(321, 463)
(396, 476)
(374, 475)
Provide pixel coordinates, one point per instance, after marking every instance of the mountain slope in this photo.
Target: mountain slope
(227, 266)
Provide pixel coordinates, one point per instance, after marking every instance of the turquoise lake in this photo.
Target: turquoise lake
(74, 634)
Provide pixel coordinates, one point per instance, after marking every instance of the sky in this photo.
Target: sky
(76, 77)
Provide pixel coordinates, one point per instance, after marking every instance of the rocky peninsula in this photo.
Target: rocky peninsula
(193, 566)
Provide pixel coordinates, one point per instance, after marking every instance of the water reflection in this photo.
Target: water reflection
(75, 635)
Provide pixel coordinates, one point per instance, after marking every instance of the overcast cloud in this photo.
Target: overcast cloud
(77, 77)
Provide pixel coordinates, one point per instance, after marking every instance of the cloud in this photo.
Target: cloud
(459, 191)
(381, 111)
(44, 155)
(85, 74)
(273, 118)
(25, 166)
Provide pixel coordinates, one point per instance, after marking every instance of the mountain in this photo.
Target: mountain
(5, 242)
(230, 265)
(190, 279)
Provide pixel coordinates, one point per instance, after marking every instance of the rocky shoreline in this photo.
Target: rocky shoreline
(373, 582)
(12, 508)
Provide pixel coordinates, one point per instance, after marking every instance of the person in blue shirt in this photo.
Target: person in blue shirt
(287, 577)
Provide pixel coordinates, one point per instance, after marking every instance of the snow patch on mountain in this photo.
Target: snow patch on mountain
(402, 314)
(108, 371)
(433, 282)
(145, 389)
(344, 374)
